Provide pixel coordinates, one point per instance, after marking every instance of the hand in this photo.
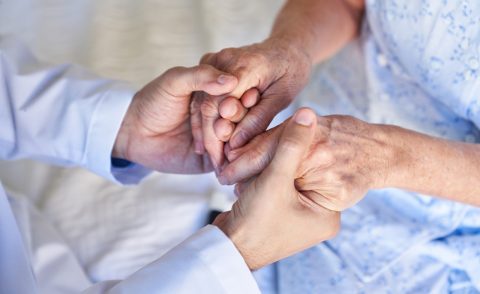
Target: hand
(346, 159)
(156, 129)
(275, 69)
(271, 219)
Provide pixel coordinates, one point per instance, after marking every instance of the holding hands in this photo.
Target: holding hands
(346, 158)
(270, 74)
(272, 219)
(293, 180)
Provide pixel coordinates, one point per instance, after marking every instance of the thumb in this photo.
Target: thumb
(293, 145)
(182, 81)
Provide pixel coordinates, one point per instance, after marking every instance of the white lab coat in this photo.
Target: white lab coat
(67, 116)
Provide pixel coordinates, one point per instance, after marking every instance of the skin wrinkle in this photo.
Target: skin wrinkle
(340, 166)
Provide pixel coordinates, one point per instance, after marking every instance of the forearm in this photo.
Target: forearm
(320, 28)
(435, 166)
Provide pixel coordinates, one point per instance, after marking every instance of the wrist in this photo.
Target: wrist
(240, 238)
(291, 46)
(397, 156)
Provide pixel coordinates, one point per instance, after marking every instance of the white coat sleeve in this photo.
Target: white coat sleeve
(207, 262)
(65, 115)
(62, 115)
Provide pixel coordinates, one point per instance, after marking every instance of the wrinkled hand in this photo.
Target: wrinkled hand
(346, 159)
(271, 219)
(156, 129)
(274, 69)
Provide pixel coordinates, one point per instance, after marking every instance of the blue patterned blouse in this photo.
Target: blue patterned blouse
(416, 65)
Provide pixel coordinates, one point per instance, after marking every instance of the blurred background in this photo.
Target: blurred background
(115, 230)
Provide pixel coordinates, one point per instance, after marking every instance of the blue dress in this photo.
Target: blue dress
(416, 65)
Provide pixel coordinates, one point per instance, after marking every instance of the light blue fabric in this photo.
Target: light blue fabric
(417, 65)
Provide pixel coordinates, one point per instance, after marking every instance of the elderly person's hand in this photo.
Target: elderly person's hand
(156, 129)
(274, 69)
(346, 158)
(271, 219)
(305, 32)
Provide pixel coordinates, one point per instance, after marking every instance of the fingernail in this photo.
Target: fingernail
(304, 118)
(230, 111)
(223, 79)
(198, 148)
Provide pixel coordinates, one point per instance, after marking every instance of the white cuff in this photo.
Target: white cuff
(218, 252)
(205, 263)
(103, 130)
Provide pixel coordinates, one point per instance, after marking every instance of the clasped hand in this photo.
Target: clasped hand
(346, 159)
(293, 180)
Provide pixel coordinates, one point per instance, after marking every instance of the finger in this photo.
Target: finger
(226, 150)
(196, 123)
(223, 129)
(250, 98)
(293, 145)
(268, 140)
(251, 159)
(182, 81)
(244, 167)
(249, 77)
(234, 154)
(232, 109)
(213, 145)
(255, 122)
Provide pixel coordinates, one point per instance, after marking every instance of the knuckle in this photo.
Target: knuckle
(206, 57)
(226, 54)
(175, 70)
(242, 71)
(197, 74)
(209, 108)
(335, 121)
(202, 68)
